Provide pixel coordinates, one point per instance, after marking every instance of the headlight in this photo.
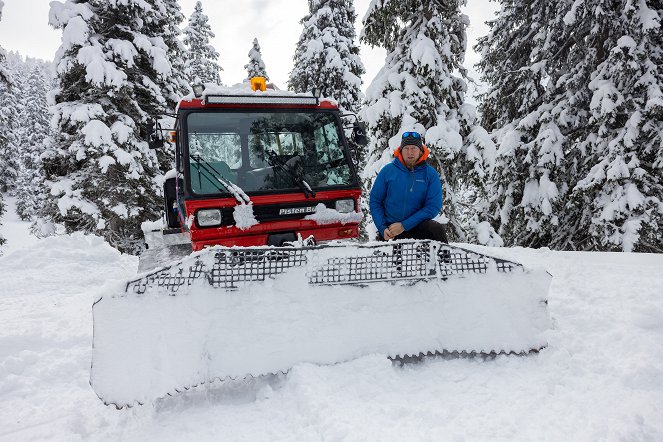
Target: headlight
(345, 206)
(209, 217)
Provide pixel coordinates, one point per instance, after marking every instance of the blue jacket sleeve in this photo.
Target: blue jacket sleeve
(376, 201)
(432, 205)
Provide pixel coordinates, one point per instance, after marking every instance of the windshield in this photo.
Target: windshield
(262, 151)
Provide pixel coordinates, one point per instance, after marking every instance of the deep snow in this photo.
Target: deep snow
(601, 378)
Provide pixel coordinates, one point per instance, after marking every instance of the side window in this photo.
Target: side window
(213, 155)
(217, 148)
(330, 156)
(326, 141)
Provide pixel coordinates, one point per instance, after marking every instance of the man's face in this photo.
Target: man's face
(411, 155)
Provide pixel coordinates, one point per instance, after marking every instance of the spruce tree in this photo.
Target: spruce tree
(255, 66)
(4, 83)
(575, 106)
(326, 56)
(527, 120)
(422, 87)
(10, 121)
(4, 76)
(167, 17)
(161, 26)
(100, 170)
(201, 57)
(34, 132)
(617, 204)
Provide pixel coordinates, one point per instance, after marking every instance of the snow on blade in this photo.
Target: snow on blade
(233, 312)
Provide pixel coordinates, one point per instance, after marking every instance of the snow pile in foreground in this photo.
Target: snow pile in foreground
(45, 333)
(600, 378)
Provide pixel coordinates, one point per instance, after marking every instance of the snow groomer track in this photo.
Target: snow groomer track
(236, 312)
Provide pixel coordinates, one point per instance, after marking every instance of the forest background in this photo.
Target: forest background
(564, 148)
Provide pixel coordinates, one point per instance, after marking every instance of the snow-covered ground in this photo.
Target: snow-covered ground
(601, 377)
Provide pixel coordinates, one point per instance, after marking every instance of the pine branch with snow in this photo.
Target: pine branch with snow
(163, 31)
(161, 27)
(201, 58)
(255, 67)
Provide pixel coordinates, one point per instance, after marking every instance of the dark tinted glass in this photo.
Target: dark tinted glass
(265, 151)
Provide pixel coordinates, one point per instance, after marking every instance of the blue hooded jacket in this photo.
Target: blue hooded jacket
(406, 196)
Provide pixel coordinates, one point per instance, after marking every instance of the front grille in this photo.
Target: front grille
(270, 212)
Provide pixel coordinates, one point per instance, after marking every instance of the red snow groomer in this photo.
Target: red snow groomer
(261, 169)
(253, 271)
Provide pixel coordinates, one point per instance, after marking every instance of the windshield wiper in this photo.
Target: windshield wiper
(233, 189)
(275, 161)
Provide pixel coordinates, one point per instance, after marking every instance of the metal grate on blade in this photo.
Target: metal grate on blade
(458, 261)
(229, 268)
(252, 265)
(169, 278)
(405, 261)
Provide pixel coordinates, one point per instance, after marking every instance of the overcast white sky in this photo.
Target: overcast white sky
(24, 28)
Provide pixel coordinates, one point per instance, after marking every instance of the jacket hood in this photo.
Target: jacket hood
(398, 154)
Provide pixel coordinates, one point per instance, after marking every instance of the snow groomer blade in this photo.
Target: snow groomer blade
(236, 312)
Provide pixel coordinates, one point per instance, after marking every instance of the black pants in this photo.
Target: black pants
(428, 229)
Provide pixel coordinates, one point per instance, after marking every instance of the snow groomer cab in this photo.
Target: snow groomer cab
(255, 166)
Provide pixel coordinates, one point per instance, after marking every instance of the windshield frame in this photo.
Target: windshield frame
(186, 157)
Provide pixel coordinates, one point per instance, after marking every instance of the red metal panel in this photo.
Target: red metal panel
(257, 235)
(320, 233)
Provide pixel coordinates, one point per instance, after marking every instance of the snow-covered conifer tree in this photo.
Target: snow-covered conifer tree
(327, 56)
(4, 82)
(10, 121)
(201, 57)
(161, 26)
(4, 77)
(422, 87)
(167, 18)
(255, 66)
(111, 66)
(518, 58)
(34, 132)
(618, 202)
(575, 106)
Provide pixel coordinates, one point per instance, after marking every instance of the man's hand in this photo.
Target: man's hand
(393, 231)
(396, 229)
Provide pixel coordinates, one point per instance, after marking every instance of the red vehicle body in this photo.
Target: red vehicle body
(287, 153)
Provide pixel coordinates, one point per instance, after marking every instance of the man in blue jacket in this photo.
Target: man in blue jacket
(407, 194)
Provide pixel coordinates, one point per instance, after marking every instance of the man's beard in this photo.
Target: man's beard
(411, 163)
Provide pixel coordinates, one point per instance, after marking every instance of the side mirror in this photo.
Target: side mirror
(359, 136)
(155, 138)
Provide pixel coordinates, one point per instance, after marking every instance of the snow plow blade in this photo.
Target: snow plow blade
(237, 312)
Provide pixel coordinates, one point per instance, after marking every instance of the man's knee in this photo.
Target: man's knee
(433, 230)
